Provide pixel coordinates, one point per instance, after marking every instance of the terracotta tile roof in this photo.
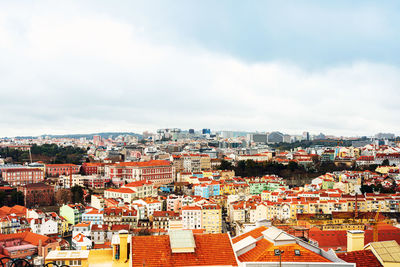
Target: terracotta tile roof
(17, 209)
(118, 227)
(211, 249)
(102, 246)
(338, 239)
(256, 233)
(79, 238)
(94, 211)
(61, 165)
(362, 258)
(82, 224)
(138, 183)
(151, 163)
(264, 252)
(99, 227)
(29, 237)
(161, 213)
(121, 190)
(191, 208)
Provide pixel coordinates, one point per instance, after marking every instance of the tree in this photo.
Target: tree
(77, 194)
(293, 165)
(3, 197)
(63, 196)
(366, 189)
(143, 232)
(225, 165)
(17, 198)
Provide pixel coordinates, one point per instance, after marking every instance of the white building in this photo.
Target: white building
(43, 226)
(191, 217)
(94, 216)
(150, 204)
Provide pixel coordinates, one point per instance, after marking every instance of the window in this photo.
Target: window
(75, 262)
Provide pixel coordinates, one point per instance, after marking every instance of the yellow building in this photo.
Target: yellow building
(265, 195)
(211, 219)
(205, 162)
(117, 256)
(207, 174)
(63, 227)
(68, 257)
(298, 208)
(346, 187)
(385, 169)
(234, 189)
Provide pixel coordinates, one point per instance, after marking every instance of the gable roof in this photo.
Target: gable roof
(29, 237)
(255, 233)
(338, 238)
(211, 249)
(264, 251)
(362, 258)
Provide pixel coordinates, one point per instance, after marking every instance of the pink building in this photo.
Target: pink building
(156, 171)
(61, 169)
(22, 176)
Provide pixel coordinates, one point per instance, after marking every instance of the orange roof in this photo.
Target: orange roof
(17, 209)
(121, 190)
(94, 211)
(256, 233)
(362, 258)
(61, 165)
(191, 208)
(264, 252)
(211, 249)
(138, 183)
(29, 237)
(79, 237)
(150, 163)
(102, 246)
(83, 224)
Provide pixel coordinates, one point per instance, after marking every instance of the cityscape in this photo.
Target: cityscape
(225, 133)
(178, 197)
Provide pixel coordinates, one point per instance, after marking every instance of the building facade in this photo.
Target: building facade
(22, 176)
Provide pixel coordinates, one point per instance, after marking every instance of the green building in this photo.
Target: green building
(72, 213)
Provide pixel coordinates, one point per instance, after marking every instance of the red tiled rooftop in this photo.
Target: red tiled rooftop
(265, 252)
(211, 249)
(83, 224)
(338, 238)
(102, 246)
(150, 163)
(29, 237)
(138, 183)
(362, 258)
(61, 165)
(256, 233)
(121, 190)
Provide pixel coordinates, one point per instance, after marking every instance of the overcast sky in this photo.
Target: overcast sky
(92, 66)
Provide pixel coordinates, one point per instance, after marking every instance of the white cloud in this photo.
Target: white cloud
(77, 74)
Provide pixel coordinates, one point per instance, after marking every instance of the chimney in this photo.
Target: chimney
(355, 240)
(123, 245)
(40, 246)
